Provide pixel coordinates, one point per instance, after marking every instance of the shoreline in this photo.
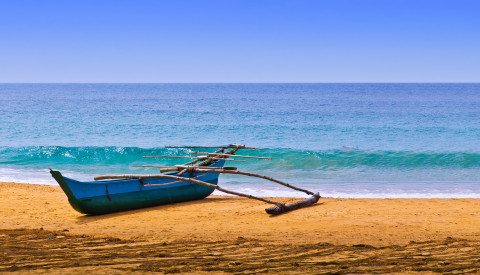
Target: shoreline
(340, 221)
(290, 194)
(345, 224)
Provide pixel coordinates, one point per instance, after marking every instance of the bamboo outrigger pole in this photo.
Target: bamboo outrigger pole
(279, 207)
(201, 170)
(279, 204)
(203, 167)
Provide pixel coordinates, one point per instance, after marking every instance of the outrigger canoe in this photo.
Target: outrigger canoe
(194, 180)
(107, 196)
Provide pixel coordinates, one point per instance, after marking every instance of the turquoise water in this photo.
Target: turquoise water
(343, 140)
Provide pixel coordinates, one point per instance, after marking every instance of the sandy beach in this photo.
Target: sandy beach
(41, 233)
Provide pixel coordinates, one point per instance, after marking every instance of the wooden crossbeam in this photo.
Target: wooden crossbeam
(186, 167)
(225, 155)
(175, 157)
(201, 158)
(214, 147)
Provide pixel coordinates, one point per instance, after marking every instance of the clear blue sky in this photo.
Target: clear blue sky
(239, 41)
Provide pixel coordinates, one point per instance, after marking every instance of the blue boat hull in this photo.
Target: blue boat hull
(102, 197)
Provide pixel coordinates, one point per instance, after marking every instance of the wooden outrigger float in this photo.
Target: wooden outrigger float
(193, 180)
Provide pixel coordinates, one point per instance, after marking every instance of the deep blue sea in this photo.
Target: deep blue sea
(342, 140)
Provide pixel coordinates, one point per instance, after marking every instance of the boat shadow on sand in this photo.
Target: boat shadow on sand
(85, 219)
(92, 218)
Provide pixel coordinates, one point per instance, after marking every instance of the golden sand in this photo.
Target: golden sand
(230, 234)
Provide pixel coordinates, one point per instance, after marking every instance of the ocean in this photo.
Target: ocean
(382, 140)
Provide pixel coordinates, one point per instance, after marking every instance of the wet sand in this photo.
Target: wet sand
(41, 233)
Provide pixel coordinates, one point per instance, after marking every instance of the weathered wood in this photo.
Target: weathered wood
(172, 182)
(279, 209)
(255, 175)
(236, 160)
(188, 180)
(200, 158)
(181, 172)
(166, 170)
(174, 157)
(186, 167)
(204, 163)
(204, 168)
(155, 166)
(210, 160)
(225, 155)
(197, 147)
(192, 162)
(225, 147)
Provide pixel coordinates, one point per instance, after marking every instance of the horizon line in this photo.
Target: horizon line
(342, 82)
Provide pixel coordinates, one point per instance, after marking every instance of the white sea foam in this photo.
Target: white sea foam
(35, 176)
(265, 189)
(352, 191)
(336, 194)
